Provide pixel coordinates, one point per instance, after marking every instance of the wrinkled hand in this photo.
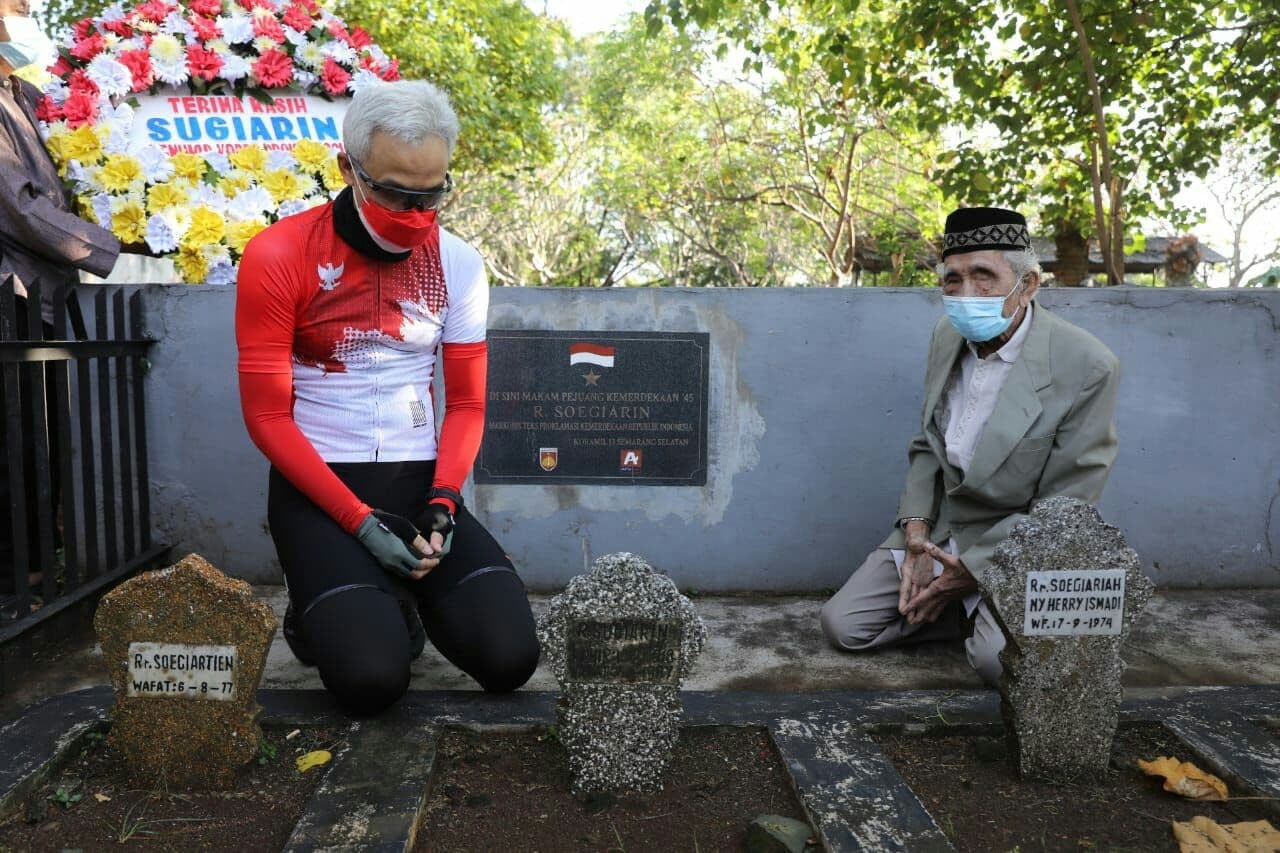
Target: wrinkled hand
(954, 583)
(437, 522)
(397, 545)
(917, 566)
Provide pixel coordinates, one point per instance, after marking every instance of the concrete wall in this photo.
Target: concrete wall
(814, 394)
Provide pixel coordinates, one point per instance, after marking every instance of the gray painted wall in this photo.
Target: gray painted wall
(814, 395)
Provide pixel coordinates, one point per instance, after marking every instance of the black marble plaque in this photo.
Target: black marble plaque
(609, 408)
(623, 651)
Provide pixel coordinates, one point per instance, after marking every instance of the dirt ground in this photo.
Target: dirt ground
(969, 787)
(511, 792)
(89, 806)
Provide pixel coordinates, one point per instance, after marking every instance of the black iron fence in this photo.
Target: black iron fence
(73, 466)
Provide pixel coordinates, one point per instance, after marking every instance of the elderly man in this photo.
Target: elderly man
(1019, 406)
(42, 243)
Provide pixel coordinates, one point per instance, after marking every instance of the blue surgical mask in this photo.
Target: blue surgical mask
(26, 44)
(979, 318)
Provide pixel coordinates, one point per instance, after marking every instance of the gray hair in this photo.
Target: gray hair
(410, 110)
(1022, 261)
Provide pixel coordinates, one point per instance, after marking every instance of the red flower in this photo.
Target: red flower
(297, 17)
(154, 10)
(338, 31)
(120, 28)
(312, 6)
(268, 26)
(48, 110)
(250, 5)
(61, 68)
(360, 38)
(80, 108)
(139, 64)
(391, 71)
(204, 64)
(82, 28)
(206, 28)
(87, 48)
(79, 82)
(273, 69)
(207, 8)
(334, 77)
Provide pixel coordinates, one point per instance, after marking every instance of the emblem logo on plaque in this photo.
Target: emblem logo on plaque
(631, 460)
(548, 458)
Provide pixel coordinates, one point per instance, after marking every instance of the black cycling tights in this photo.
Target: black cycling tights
(473, 605)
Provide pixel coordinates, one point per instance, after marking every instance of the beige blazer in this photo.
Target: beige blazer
(1052, 433)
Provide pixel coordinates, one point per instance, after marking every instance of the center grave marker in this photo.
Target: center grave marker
(185, 648)
(619, 641)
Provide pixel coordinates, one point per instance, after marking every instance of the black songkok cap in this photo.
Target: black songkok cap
(975, 229)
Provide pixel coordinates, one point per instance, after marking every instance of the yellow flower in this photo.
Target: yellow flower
(283, 185)
(312, 156)
(251, 158)
(164, 196)
(83, 144)
(207, 226)
(188, 166)
(240, 233)
(119, 172)
(129, 222)
(166, 48)
(192, 264)
(332, 176)
(235, 182)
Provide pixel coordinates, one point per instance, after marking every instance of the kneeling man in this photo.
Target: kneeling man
(1019, 406)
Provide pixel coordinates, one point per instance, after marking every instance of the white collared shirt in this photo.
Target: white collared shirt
(971, 393)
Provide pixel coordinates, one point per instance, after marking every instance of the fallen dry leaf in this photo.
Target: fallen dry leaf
(102, 798)
(1202, 835)
(313, 759)
(1185, 779)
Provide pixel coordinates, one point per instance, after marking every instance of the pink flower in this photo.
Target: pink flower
(273, 69)
(79, 82)
(82, 28)
(360, 38)
(297, 17)
(80, 108)
(206, 28)
(48, 110)
(207, 8)
(250, 5)
(139, 64)
(87, 48)
(154, 10)
(61, 68)
(269, 27)
(120, 27)
(391, 71)
(204, 64)
(334, 77)
(338, 31)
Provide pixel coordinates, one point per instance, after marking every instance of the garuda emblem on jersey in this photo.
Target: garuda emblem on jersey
(330, 276)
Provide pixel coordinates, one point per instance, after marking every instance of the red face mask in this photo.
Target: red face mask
(397, 230)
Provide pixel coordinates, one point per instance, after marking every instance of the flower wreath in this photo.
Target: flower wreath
(198, 207)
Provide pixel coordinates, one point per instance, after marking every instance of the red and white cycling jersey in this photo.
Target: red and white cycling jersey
(357, 339)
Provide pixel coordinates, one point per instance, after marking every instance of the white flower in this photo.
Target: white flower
(155, 163)
(277, 159)
(264, 43)
(173, 73)
(167, 48)
(210, 197)
(378, 53)
(361, 78)
(218, 46)
(303, 78)
(290, 207)
(114, 12)
(308, 184)
(112, 77)
(76, 172)
(310, 55)
(217, 253)
(236, 28)
(117, 141)
(250, 203)
(219, 162)
(101, 204)
(57, 90)
(160, 235)
(132, 43)
(294, 37)
(341, 52)
(234, 67)
(178, 25)
(222, 273)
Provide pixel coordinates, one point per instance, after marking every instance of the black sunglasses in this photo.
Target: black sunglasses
(406, 199)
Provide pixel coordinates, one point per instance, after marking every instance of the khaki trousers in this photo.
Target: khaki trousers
(864, 615)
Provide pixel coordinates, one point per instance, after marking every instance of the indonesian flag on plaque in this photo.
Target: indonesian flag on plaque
(597, 354)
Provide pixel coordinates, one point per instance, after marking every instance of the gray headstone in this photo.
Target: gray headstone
(1067, 591)
(619, 641)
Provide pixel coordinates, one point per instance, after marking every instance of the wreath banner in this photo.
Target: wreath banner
(189, 126)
